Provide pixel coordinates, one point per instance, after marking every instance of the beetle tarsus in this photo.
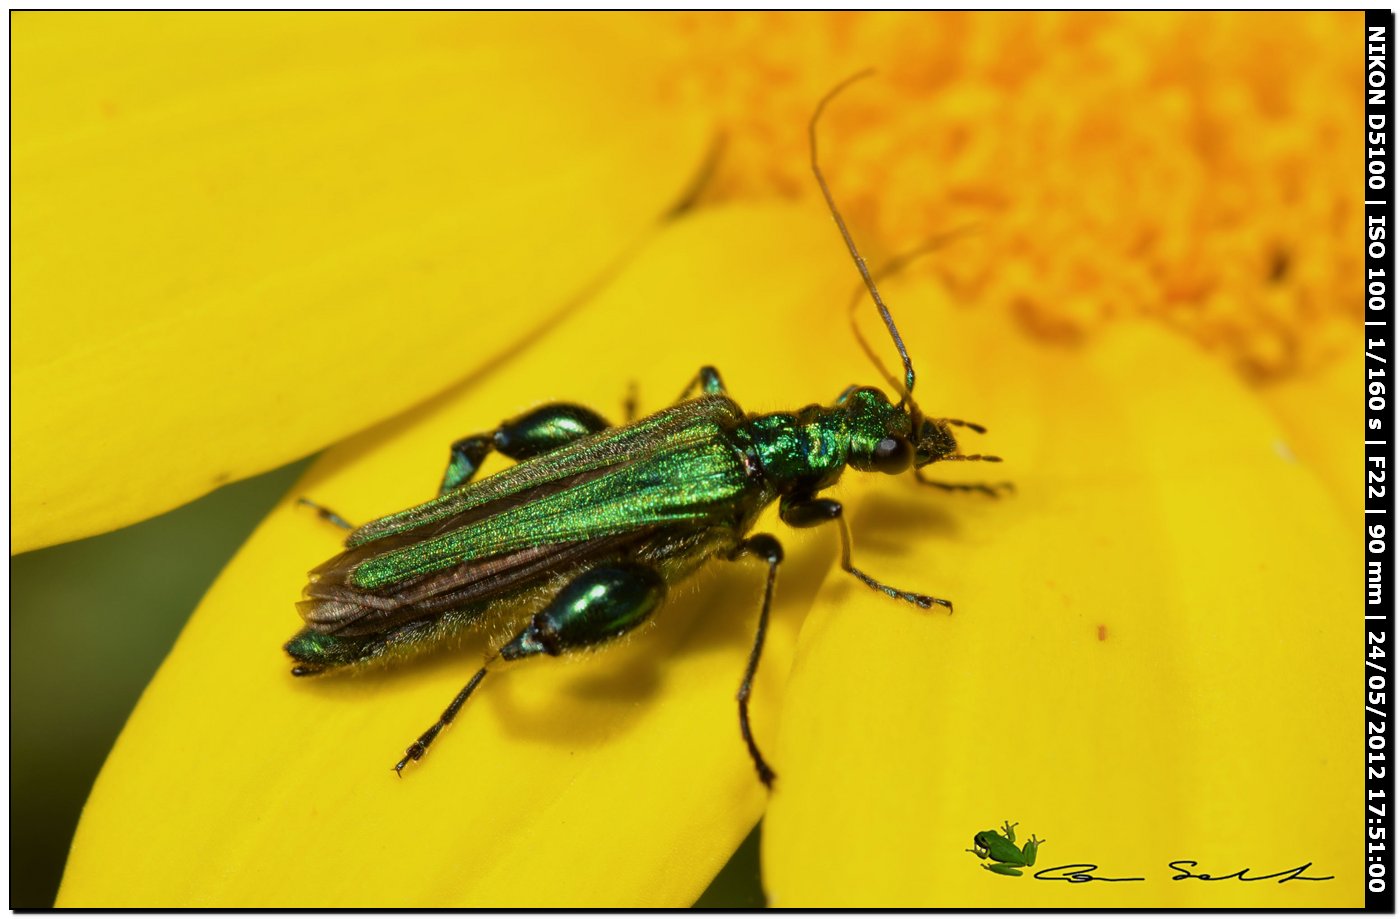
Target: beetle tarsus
(414, 753)
(326, 514)
(990, 489)
(419, 747)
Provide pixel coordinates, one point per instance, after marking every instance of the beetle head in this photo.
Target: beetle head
(935, 441)
(879, 432)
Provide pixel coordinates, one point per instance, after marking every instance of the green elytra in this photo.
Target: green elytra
(585, 535)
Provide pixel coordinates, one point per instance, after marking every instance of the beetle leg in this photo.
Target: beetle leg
(328, 515)
(769, 550)
(809, 511)
(598, 605)
(531, 434)
(991, 489)
(420, 746)
(707, 381)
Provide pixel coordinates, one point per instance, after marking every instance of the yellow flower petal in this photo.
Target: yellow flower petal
(239, 237)
(615, 779)
(1153, 655)
(1321, 415)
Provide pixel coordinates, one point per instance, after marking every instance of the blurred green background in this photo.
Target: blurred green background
(90, 622)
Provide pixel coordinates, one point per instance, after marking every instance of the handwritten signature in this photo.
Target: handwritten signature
(1082, 873)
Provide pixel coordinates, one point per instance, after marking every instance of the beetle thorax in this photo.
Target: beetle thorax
(807, 450)
(804, 450)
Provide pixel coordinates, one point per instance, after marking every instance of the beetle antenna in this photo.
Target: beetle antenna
(893, 266)
(851, 243)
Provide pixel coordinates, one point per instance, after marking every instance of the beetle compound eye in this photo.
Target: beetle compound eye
(892, 455)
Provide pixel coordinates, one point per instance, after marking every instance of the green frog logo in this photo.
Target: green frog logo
(1000, 850)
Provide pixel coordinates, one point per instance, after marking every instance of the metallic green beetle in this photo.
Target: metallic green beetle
(585, 535)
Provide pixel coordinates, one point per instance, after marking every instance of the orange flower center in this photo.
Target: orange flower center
(1199, 169)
